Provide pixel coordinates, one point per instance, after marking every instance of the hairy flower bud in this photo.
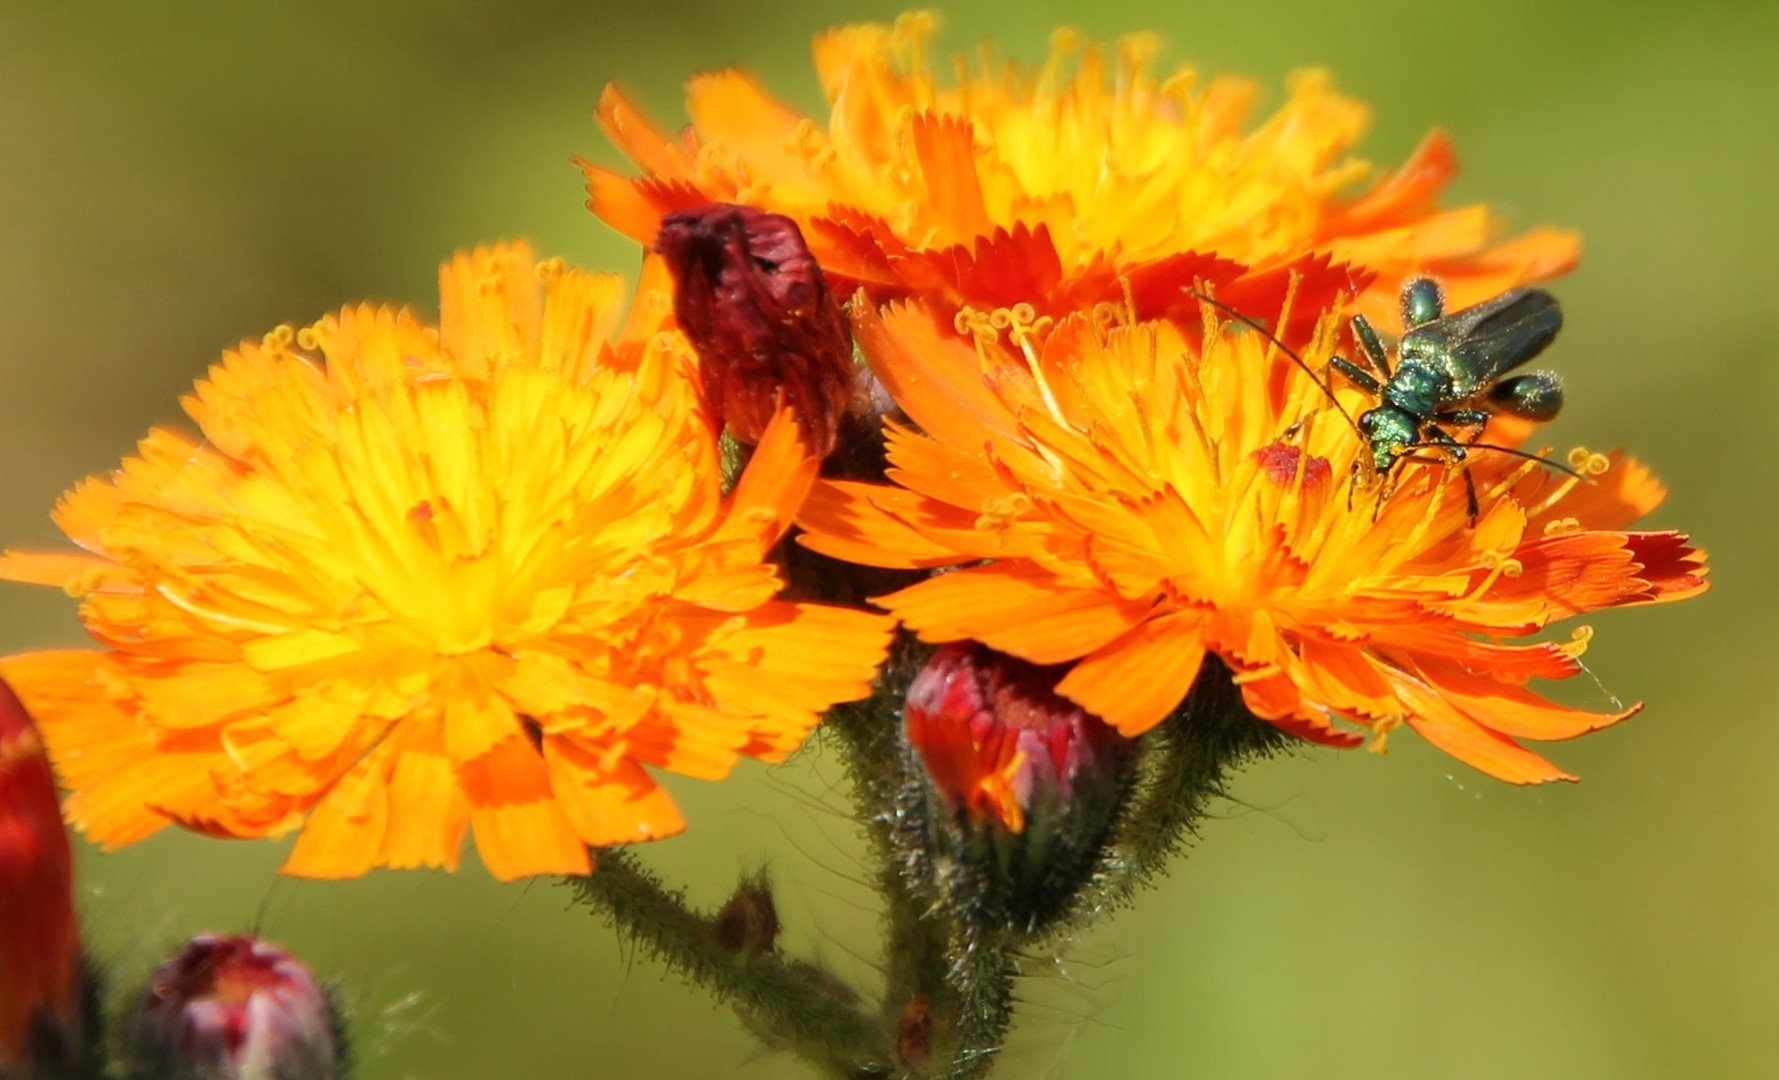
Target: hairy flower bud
(768, 332)
(234, 1008)
(1022, 785)
(41, 1014)
(748, 923)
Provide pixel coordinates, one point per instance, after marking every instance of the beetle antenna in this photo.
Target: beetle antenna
(1554, 466)
(1286, 349)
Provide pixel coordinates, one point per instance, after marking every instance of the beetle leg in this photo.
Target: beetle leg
(1465, 418)
(1444, 441)
(1358, 376)
(1373, 346)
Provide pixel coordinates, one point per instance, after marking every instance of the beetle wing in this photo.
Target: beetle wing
(1496, 336)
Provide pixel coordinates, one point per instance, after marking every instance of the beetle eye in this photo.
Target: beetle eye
(1422, 302)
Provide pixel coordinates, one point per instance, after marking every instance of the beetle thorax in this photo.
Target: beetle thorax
(1418, 389)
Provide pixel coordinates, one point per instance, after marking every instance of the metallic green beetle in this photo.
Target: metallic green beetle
(1450, 370)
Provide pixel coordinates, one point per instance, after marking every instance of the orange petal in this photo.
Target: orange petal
(1541, 660)
(343, 837)
(1280, 702)
(1345, 679)
(776, 673)
(1136, 680)
(732, 103)
(1513, 710)
(869, 524)
(1445, 727)
(77, 574)
(428, 813)
(104, 755)
(932, 372)
(621, 804)
(639, 140)
(1624, 494)
(945, 147)
(520, 830)
(1017, 608)
(773, 486)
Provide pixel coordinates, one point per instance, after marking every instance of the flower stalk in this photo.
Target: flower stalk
(792, 1005)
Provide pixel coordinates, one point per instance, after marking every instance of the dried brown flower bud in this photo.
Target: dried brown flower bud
(768, 332)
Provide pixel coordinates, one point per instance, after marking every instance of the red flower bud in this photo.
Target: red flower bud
(1023, 786)
(997, 740)
(751, 298)
(40, 981)
(235, 1008)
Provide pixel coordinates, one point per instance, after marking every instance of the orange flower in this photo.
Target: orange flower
(410, 582)
(1124, 501)
(1065, 186)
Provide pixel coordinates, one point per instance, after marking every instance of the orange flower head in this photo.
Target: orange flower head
(1085, 180)
(40, 946)
(1125, 499)
(409, 582)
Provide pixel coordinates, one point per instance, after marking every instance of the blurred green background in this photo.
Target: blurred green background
(176, 176)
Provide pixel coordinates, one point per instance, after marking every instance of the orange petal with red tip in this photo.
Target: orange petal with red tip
(1672, 569)
(850, 253)
(1141, 676)
(1000, 269)
(1572, 573)
(1409, 192)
